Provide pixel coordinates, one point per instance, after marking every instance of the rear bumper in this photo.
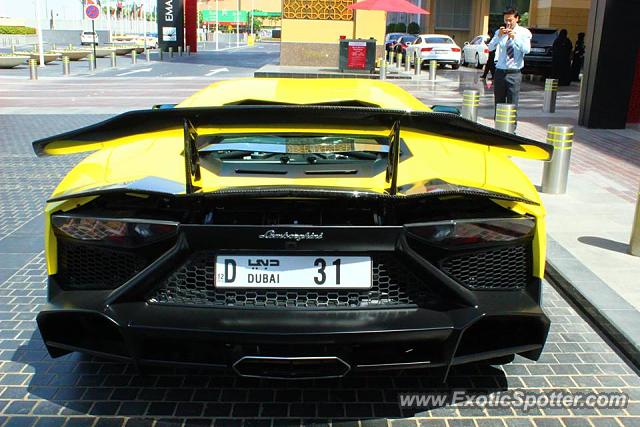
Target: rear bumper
(444, 324)
(504, 323)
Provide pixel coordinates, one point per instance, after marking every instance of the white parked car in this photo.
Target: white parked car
(86, 38)
(476, 51)
(435, 46)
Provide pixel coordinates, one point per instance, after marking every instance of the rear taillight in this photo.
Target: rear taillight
(426, 49)
(461, 233)
(455, 49)
(113, 231)
(486, 51)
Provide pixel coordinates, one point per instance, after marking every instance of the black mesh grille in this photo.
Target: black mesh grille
(82, 266)
(505, 268)
(193, 284)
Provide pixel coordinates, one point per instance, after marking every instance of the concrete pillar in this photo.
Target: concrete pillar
(606, 89)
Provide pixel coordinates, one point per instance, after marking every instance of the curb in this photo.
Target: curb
(613, 315)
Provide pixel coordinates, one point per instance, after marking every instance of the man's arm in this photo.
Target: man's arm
(496, 40)
(522, 41)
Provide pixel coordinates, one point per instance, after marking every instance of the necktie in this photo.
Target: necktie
(510, 53)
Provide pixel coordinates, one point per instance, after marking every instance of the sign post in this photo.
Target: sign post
(170, 24)
(92, 12)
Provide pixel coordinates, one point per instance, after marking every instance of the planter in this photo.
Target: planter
(11, 61)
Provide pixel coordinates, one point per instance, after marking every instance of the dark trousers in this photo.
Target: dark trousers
(506, 87)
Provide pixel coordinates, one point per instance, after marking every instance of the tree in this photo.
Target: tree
(413, 28)
(401, 27)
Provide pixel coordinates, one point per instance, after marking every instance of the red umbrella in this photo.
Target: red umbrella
(389, 6)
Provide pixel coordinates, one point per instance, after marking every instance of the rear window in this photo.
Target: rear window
(294, 149)
(410, 39)
(445, 40)
(391, 37)
(543, 37)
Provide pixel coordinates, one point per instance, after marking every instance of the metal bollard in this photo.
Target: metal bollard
(92, 64)
(147, 55)
(160, 53)
(134, 57)
(392, 57)
(113, 59)
(550, 94)
(53, 46)
(65, 65)
(417, 64)
(407, 63)
(33, 69)
(179, 50)
(383, 69)
(556, 171)
(634, 242)
(399, 61)
(433, 64)
(188, 50)
(470, 103)
(506, 118)
(170, 51)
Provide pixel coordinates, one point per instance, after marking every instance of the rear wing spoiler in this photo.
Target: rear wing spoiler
(97, 136)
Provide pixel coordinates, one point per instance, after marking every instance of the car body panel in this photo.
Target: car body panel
(476, 51)
(442, 159)
(442, 48)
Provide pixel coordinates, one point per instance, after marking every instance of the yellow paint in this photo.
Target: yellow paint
(433, 156)
(311, 31)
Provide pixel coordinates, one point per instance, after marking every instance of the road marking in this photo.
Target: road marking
(219, 70)
(142, 70)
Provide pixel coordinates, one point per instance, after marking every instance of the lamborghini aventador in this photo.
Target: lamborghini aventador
(295, 229)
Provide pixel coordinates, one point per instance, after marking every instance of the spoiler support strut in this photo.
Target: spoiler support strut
(191, 158)
(393, 159)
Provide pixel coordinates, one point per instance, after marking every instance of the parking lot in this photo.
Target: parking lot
(78, 391)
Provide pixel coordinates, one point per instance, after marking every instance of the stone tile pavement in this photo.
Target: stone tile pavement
(83, 391)
(593, 219)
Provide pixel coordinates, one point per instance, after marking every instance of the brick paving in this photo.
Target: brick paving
(612, 154)
(79, 391)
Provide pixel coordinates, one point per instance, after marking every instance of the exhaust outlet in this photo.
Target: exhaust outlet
(291, 368)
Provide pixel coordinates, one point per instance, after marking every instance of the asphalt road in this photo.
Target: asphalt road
(82, 391)
(229, 62)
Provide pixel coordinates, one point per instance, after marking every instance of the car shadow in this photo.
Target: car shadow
(76, 385)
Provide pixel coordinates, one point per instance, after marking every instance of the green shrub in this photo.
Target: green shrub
(401, 27)
(5, 29)
(413, 28)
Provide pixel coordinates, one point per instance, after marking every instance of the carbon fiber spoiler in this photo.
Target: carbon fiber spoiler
(144, 121)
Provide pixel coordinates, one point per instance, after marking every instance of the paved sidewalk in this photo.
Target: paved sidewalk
(590, 225)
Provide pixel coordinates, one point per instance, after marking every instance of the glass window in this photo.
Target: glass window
(445, 40)
(453, 14)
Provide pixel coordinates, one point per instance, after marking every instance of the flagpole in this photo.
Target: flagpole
(217, 21)
(39, 30)
(237, 23)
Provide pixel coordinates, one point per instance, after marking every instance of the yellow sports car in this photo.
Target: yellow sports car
(295, 229)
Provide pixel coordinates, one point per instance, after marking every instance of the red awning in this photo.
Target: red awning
(389, 6)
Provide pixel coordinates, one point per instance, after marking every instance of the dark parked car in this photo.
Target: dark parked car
(402, 42)
(538, 61)
(390, 40)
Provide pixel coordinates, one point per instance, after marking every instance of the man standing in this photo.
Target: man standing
(514, 42)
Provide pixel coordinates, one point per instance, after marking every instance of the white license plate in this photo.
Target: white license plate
(293, 272)
(442, 51)
(537, 50)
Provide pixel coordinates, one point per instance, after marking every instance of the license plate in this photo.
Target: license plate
(442, 51)
(293, 272)
(537, 50)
